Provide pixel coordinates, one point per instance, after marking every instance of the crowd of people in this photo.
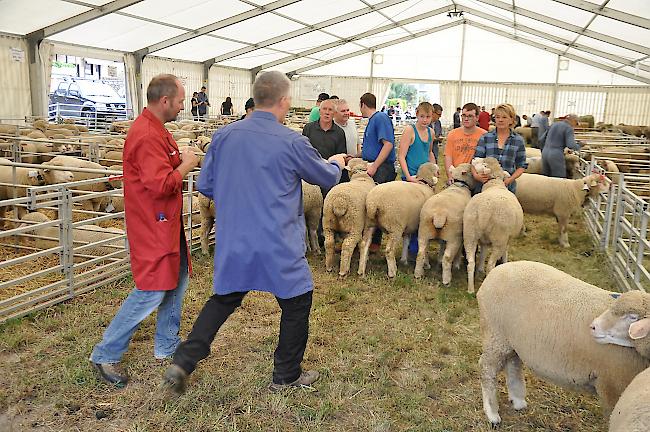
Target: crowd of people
(260, 228)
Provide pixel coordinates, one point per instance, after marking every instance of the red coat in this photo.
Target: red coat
(153, 204)
(484, 120)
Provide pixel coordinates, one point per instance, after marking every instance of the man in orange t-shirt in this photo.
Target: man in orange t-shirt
(461, 142)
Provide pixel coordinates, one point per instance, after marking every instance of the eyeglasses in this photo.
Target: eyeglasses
(438, 113)
(465, 116)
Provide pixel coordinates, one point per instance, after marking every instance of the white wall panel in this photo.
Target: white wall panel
(305, 89)
(15, 100)
(190, 74)
(224, 82)
(629, 105)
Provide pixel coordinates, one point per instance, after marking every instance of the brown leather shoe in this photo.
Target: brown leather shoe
(306, 379)
(111, 373)
(175, 378)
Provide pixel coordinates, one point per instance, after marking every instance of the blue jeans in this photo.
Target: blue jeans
(138, 306)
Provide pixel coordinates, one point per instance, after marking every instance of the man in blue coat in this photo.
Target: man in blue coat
(253, 171)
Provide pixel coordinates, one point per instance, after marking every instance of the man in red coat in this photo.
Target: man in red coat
(153, 180)
(484, 119)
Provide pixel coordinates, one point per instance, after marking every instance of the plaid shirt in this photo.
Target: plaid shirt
(511, 157)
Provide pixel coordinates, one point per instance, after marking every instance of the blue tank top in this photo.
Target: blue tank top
(418, 152)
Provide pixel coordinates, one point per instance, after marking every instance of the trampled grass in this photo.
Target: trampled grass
(394, 355)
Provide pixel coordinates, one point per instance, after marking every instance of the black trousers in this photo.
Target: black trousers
(385, 173)
(294, 330)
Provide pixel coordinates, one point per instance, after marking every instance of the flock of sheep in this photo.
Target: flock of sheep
(530, 313)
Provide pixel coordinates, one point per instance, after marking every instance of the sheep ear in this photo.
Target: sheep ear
(615, 295)
(639, 329)
(451, 167)
(46, 170)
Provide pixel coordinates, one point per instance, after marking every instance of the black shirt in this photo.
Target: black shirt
(194, 108)
(329, 142)
(226, 108)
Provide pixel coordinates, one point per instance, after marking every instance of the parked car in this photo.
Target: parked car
(89, 99)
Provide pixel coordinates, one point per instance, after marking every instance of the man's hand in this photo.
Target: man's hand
(372, 169)
(189, 161)
(339, 159)
(508, 180)
(483, 178)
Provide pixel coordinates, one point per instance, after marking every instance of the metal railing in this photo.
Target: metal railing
(618, 220)
(95, 118)
(50, 261)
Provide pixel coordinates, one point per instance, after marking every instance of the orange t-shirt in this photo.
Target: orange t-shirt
(461, 146)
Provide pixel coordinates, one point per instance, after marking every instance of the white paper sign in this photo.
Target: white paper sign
(17, 55)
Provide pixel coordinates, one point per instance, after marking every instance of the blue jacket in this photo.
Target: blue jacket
(253, 171)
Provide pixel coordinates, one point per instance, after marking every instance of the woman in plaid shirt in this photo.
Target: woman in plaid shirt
(504, 145)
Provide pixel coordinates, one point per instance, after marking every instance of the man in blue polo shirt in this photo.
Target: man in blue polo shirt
(378, 148)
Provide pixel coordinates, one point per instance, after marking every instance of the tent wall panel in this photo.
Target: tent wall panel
(190, 74)
(628, 105)
(15, 102)
(224, 82)
(305, 89)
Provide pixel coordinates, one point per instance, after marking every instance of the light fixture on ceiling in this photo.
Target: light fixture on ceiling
(564, 64)
(455, 13)
(378, 59)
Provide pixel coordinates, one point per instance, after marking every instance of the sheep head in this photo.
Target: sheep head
(53, 176)
(428, 173)
(481, 166)
(358, 168)
(593, 184)
(495, 170)
(463, 172)
(625, 323)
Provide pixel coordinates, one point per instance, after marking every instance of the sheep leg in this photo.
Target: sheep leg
(564, 235)
(497, 252)
(515, 382)
(391, 247)
(451, 251)
(406, 239)
(329, 248)
(206, 227)
(481, 258)
(491, 362)
(363, 252)
(608, 394)
(313, 239)
(347, 249)
(422, 258)
(459, 257)
(470, 254)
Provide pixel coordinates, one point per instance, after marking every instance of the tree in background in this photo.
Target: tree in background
(404, 91)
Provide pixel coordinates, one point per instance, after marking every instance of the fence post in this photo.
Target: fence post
(66, 237)
(643, 229)
(190, 189)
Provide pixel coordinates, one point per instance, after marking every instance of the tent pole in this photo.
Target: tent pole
(460, 69)
(556, 87)
(372, 70)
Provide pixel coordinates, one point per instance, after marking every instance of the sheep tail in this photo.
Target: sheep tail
(339, 206)
(439, 219)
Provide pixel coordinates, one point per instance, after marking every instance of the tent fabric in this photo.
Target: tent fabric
(303, 34)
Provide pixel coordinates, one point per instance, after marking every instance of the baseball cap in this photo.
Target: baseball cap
(323, 96)
(250, 103)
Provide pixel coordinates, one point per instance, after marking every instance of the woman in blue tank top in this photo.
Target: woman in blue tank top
(413, 150)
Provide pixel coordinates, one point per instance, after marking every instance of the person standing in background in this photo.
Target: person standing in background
(457, 118)
(349, 126)
(559, 136)
(226, 107)
(195, 106)
(483, 120)
(437, 128)
(160, 259)
(461, 142)
(204, 103)
(249, 107)
(315, 111)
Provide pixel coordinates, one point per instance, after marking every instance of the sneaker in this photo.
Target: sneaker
(175, 378)
(111, 373)
(306, 379)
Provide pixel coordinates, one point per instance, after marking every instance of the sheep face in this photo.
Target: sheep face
(56, 176)
(481, 166)
(625, 323)
(428, 172)
(593, 185)
(463, 172)
(35, 178)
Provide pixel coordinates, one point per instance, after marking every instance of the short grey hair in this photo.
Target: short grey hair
(162, 85)
(338, 102)
(573, 117)
(269, 88)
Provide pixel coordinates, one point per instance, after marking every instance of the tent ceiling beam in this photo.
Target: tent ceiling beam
(379, 46)
(303, 31)
(607, 12)
(585, 27)
(365, 34)
(214, 26)
(566, 26)
(522, 28)
(82, 18)
(639, 60)
(559, 52)
(387, 17)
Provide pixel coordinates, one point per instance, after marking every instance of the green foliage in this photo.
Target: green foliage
(404, 91)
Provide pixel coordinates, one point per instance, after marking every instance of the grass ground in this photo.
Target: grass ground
(394, 355)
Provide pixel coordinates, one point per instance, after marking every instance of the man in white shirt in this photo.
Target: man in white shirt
(343, 120)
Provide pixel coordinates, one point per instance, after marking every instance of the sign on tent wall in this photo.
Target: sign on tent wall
(14, 86)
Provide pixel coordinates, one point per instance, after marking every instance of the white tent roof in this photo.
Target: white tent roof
(605, 41)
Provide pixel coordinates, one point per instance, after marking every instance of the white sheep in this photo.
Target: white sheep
(441, 218)
(93, 204)
(344, 211)
(26, 177)
(559, 197)
(533, 313)
(81, 236)
(207, 211)
(491, 218)
(395, 207)
(312, 201)
(631, 413)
